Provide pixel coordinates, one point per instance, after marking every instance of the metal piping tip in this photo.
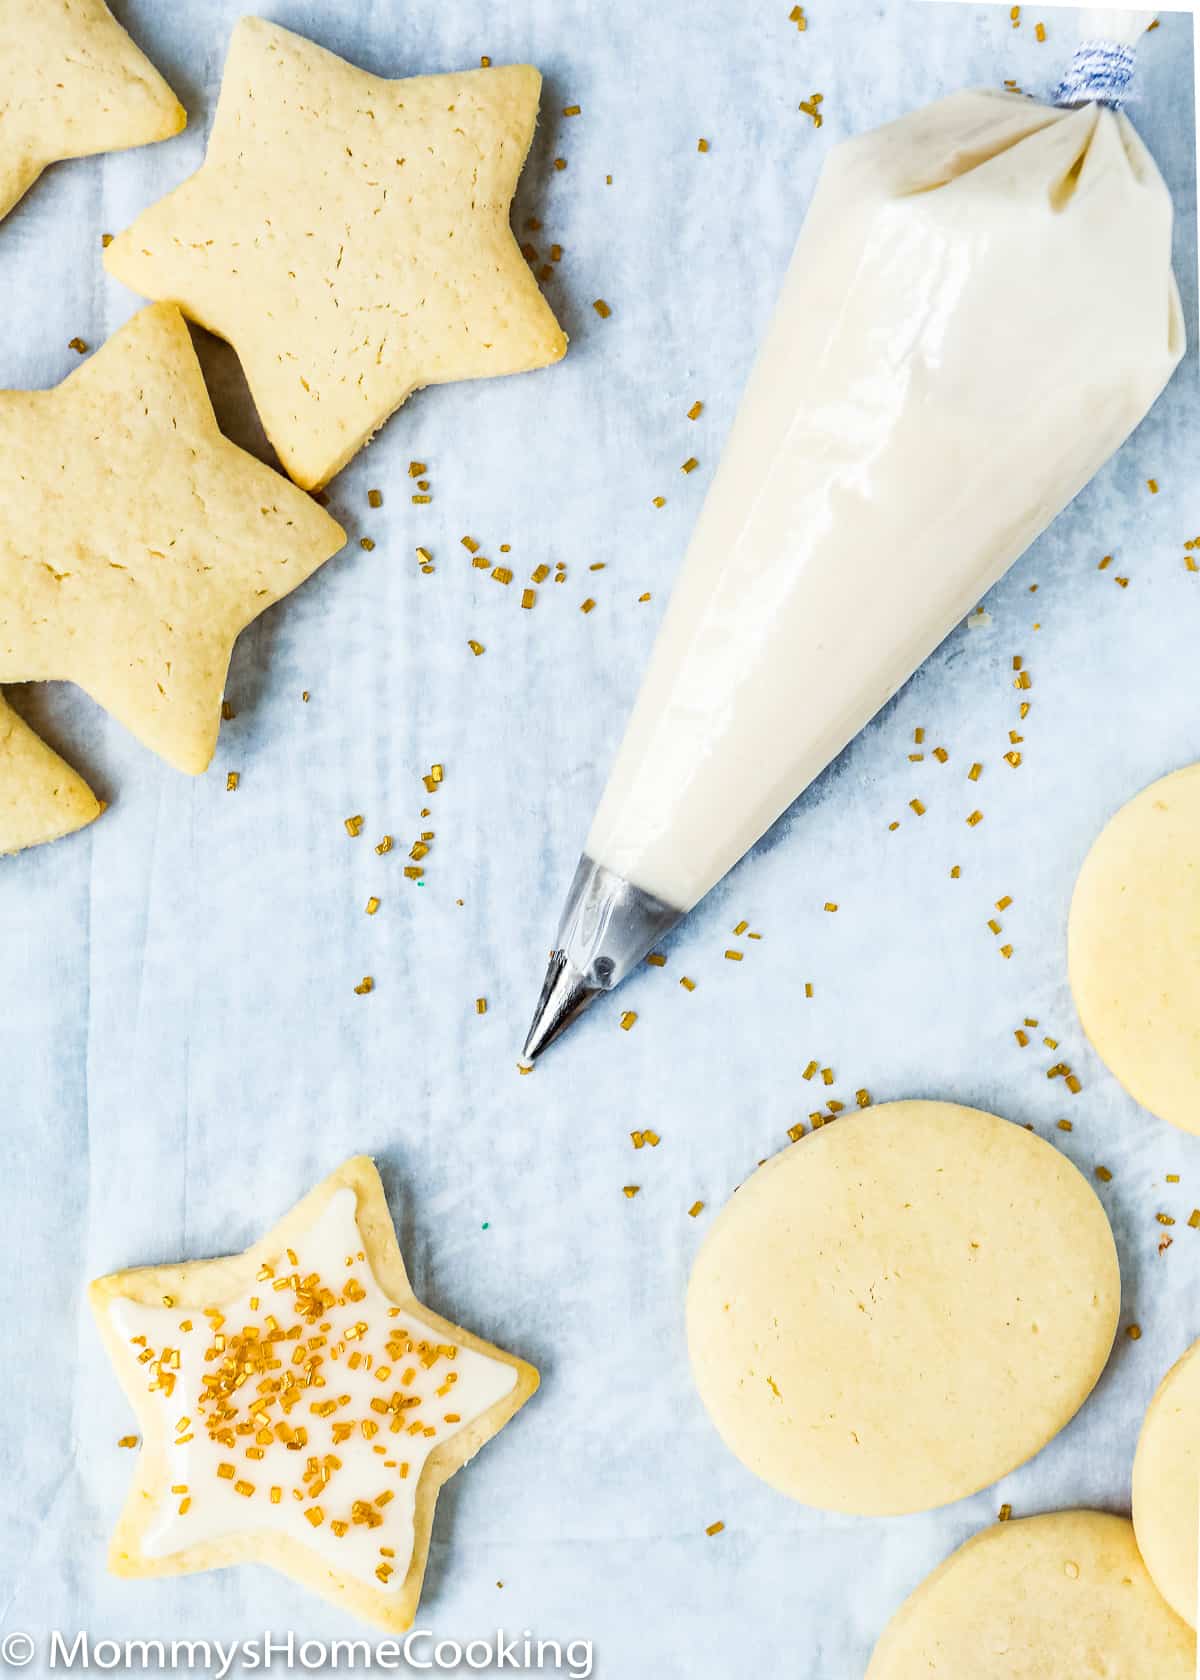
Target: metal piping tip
(565, 995)
(608, 925)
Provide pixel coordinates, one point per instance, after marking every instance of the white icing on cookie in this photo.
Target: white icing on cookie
(316, 1354)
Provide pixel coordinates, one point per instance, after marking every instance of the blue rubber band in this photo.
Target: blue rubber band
(1101, 73)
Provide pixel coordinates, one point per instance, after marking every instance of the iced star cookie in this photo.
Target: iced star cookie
(1055, 1597)
(72, 83)
(349, 236)
(298, 1406)
(901, 1308)
(41, 797)
(137, 541)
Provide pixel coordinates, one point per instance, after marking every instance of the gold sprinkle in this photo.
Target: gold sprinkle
(502, 574)
(128, 1441)
(1004, 1513)
(656, 960)
(734, 956)
(371, 906)
(830, 907)
(808, 990)
(385, 845)
(974, 773)
(417, 469)
(740, 929)
(602, 309)
(1006, 951)
(1065, 1126)
(630, 1190)
(1164, 1219)
(587, 606)
(695, 1209)
(688, 984)
(1194, 1219)
(1003, 903)
(660, 501)
(1104, 1175)
(796, 1132)
(528, 597)
(368, 542)
(628, 1019)
(77, 344)
(974, 819)
(916, 805)
(475, 647)
(375, 498)
(1040, 31)
(702, 145)
(365, 985)
(714, 1528)
(696, 410)
(689, 465)
(560, 163)
(481, 1006)
(1134, 1332)
(354, 827)
(227, 711)
(231, 781)
(1151, 483)
(570, 110)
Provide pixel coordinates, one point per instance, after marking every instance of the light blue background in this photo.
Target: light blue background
(181, 1050)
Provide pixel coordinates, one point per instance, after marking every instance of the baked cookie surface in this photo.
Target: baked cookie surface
(138, 542)
(901, 1308)
(72, 83)
(349, 236)
(1166, 1485)
(1055, 1597)
(1134, 947)
(298, 1406)
(41, 797)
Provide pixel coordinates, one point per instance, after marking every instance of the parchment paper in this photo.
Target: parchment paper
(182, 1052)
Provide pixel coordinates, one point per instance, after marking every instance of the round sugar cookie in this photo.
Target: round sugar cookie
(1134, 947)
(1047, 1598)
(902, 1307)
(1166, 1485)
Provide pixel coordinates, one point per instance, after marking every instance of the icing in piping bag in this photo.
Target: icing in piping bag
(979, 311)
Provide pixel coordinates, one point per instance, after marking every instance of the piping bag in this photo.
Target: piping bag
(980, 309)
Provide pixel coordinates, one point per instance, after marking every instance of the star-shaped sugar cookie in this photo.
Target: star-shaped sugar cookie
(298, 1406)
(41, 797)
(72, 83)
(137, 541)
(349, 236)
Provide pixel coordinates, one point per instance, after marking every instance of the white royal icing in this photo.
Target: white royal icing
(366, 1467)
